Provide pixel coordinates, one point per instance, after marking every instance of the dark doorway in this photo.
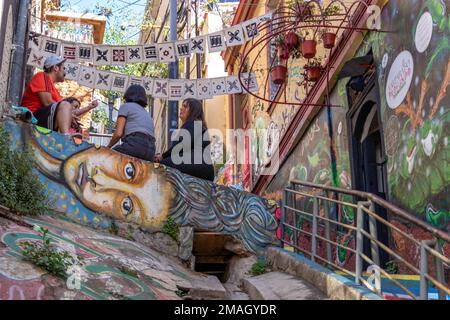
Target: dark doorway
(368, 158)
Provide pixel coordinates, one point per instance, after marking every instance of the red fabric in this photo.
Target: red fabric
(41, 82)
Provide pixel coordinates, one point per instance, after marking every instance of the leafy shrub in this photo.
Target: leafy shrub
(45, 256)
(20, 189)
(258, 268)
(171, 228)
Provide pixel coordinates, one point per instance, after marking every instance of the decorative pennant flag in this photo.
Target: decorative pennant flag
(120, 83)
(233, 85)
(264, 18)
(69, 52)
(204, 89)
(85, 52)
(147, 83)
(102, 56)
(51, 46)
(72, 71)
(250, 29)
(34, 40)
(190, 89)
(198, 44)
(119, 56)
(183, 49)
(216, 42)
(134, 54)
(218, 86)
(36, 58)
(151, 53)
(103, 80)
(135, 80)
(161, 88)
(87, 77)
(176, 90)
(166, 52)
(234, 36)
(250, 82)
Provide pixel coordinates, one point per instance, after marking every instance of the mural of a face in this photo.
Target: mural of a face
(122, 187)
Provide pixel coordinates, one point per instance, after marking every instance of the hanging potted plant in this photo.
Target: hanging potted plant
(279, 71)
(278, 74)
(302, 9)
(292, 40)
(308, 46)
(329, 37)
(313, 70)
(282, 48)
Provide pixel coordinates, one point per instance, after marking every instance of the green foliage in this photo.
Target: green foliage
(20, 189)
(171, 228)
(113, 228)
(392, 267)
(258, 268)
(100, 116)
(45, 256)
(129, 234)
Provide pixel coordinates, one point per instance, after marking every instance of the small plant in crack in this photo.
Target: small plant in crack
(171, 228)
(48, 257)
(182, 292)
(258, 268)
(113, 228)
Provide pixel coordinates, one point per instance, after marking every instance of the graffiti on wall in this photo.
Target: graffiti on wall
(414, 75)
(96, 185)
(312, 161)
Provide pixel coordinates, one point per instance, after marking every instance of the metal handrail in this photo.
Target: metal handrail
(364, 208)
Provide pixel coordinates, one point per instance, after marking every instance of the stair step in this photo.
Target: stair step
(280, 286)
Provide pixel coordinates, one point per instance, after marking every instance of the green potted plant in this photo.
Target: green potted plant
(302, 8)
(283, 51)
(279, 71)
(327, 35)
(313, 70)
(308, 45)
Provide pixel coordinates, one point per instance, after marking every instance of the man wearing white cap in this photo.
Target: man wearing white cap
(42, 98)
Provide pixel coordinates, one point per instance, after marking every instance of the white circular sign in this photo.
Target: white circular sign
(385, 60)
(424, 32)
(399, 79)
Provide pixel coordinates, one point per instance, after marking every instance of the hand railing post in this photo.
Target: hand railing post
(423, 272)
(294, 216)
(327, 227)
(359, 243)
(314, 229)
(439, 271)
(283, 216)
(373, 232)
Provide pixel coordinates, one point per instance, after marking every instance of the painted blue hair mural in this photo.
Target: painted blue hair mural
(96, 185)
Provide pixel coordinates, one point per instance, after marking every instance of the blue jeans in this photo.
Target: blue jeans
(138, 145)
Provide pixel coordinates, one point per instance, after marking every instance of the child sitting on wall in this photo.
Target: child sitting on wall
(77, 113)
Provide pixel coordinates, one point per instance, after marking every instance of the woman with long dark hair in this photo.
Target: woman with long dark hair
(190, 152)
(135, 126)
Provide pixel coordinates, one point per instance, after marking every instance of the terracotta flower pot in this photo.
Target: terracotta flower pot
(329, 40)
(313, 73)
(291, 40)
(283, 52)
(279, 74)
(309, 48)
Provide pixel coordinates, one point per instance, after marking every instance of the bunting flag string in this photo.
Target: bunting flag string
(157, 52)
(171, 89)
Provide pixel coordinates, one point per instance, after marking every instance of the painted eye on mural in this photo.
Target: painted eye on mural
(129, 171)
(127, 206)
